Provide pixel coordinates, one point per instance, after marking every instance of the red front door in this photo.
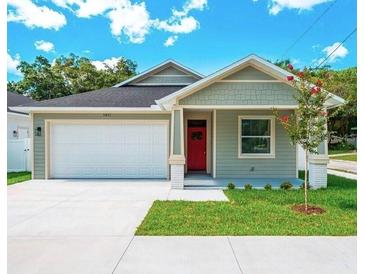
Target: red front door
(197, 148)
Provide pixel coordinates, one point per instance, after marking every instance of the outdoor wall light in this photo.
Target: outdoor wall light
(15, 133)
(38, 131)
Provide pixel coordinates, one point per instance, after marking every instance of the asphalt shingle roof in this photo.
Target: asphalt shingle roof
(15, 99)
(126, 96)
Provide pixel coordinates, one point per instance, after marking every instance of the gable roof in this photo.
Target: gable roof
(15, 99)
(114, 97)
(129, 97)
(251, 60)
(160, 67)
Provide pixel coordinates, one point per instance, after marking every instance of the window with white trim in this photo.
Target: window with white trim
(256, 136)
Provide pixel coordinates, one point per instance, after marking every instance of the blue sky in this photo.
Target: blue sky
(202, 34)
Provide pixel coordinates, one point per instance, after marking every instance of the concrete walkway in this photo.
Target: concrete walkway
(251, 255)
(345, 166)
(342, 174)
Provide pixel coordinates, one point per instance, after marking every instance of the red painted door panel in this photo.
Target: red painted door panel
(197, 148)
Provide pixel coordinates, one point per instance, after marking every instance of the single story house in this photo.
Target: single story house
(18, 134)
(174, 123)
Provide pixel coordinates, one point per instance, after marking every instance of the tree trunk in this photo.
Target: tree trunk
(306, 180)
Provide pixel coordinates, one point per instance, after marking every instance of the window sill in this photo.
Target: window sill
(256, 156)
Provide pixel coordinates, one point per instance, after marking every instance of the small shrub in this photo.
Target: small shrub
(268, 187)
(231, 186)
(286, 185)
(308, 186)
(248, 186)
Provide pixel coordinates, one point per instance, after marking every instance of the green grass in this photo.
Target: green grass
(331, 152)
(352, 157)
(18, 177)
(258, 212)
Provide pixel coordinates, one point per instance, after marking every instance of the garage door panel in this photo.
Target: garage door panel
(109, 151)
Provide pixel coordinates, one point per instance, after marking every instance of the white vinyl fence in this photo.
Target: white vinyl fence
(19, 155)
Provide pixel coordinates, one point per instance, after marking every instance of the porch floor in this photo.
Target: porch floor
(204, 181)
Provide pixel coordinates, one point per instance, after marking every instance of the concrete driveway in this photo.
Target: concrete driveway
(75, 226)
(88, 226)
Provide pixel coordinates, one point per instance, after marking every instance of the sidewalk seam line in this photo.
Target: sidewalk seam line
(121, 257)
(234, 254)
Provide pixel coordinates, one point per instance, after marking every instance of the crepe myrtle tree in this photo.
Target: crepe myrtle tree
(306, 126)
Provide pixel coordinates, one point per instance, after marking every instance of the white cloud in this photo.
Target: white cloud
(341, 52)
(133, 19)
(180, 21)
(171, 41)
(178, 25)
(12, 63)
(32, 16)
(87, 8)
(195, 4)
(104, 64)
(276, 6)
(125, 17)
(44, 46)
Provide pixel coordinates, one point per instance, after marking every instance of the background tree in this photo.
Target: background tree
(68, 75)
(307, 125)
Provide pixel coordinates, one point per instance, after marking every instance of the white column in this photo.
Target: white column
(318, 171)
(318, 166)
(177, 157)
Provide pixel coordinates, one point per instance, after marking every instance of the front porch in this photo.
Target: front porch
(213, 147)
(205, 181)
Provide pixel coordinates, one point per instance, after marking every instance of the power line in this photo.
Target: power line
(309, 28)
(339, 45)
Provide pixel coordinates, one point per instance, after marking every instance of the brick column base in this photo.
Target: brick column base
(177, 176)
(177, 164)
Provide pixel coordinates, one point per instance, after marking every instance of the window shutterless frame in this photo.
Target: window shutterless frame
(270, 155)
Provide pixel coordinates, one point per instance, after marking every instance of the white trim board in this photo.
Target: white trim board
(243, 107)
(270, 155)
(152, 109)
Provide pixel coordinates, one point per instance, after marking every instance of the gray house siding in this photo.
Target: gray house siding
(39, 121)
(242, 93)
(170, 71)
(158, 79)
(169, 75)
(249, 73)
(228, 165)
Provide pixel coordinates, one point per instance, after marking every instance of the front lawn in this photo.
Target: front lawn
(337, 151)
(258, 212)
(18, 177)
(351, 157)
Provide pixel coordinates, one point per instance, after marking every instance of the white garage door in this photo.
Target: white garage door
(120, 149)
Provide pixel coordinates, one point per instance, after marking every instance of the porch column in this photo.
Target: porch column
(177, 157)
(318, 167)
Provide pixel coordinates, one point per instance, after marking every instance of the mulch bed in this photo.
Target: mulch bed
(311, 210)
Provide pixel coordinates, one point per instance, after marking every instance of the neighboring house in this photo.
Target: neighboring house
(19, 126)
(169, 121)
